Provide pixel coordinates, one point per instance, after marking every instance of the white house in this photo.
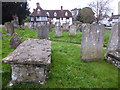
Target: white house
(114, 19)
(105, 20)
(51, 16)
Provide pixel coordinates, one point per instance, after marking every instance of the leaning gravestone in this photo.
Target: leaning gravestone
(113, 50)
(92, 42)
(30, 61)
(9, 28)
(15, 41)
(72, 31)
(58, 30)
(43, 31)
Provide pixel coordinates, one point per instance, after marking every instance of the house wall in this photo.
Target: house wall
(41, 19)
(31, 19)
(62, 21)
(54, 20)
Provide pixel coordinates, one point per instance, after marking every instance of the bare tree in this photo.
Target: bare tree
(100, 8)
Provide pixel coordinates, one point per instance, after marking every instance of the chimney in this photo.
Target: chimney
(112, 14)
(33, 10)
(38, 4)
(61, 7)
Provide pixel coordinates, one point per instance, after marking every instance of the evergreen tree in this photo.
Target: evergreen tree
(9, 9)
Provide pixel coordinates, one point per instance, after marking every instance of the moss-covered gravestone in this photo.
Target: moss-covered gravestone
(30, 61)
(92, 42)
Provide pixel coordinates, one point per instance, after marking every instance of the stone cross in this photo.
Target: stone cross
(9, 28)
(72, 30)
(43, 31)
(92, 42)
(58, 30)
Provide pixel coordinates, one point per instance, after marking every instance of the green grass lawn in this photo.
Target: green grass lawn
(67, 70)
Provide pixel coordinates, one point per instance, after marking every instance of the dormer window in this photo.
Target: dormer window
(55, 14)
(48, 13)
(66, 14)
(38, 11)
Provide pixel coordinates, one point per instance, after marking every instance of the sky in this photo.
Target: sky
(68, 4)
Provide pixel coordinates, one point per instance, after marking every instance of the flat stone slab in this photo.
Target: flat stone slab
(31, 51)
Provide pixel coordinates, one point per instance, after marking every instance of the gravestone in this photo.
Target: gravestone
(43, 31)
(9, 27)
(65, 27)
(79, 27)
(30, 61)
(58, 30)
(15, 41)
(72, 31)
(50, 26)
(15, 24)
(92, 42)
(113, 49)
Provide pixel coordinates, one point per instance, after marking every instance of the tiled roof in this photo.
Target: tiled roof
(114, 17)
(59, 13)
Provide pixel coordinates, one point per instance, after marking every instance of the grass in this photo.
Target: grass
(66, 38)
(67, 70)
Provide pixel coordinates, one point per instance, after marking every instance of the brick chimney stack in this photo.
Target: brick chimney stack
(61, 7)
(112, 14)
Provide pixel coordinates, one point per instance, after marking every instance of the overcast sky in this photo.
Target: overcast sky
(68, 4)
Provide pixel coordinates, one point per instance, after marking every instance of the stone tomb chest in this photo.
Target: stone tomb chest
(29, 61)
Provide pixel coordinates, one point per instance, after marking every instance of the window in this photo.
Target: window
(48, 13)
(66, 14)
(38, 11)
(67, 18)
(55, 14)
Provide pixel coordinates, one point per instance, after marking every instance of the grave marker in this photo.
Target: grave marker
(92, 42)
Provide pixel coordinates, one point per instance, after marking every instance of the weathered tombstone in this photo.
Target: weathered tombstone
(58, 30)
(43, 31)
(50, 27)
(113, 49)
(15, 41)
(9, 28)
(113, 41)
(92, 42)
(72, 31)
(30, 61)
(65, 27)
